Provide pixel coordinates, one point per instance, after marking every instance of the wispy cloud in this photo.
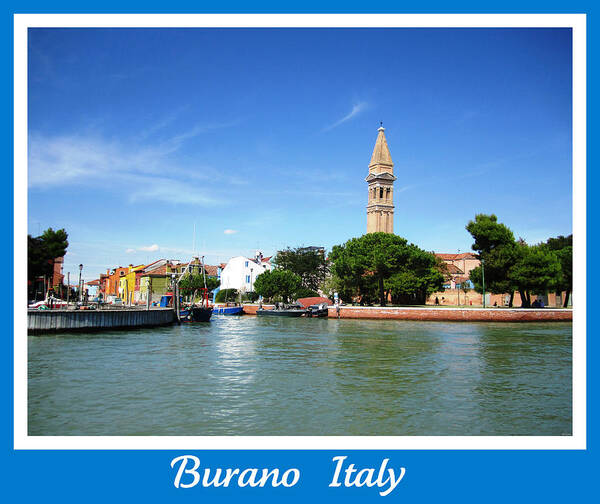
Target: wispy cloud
(151, 169)
(230, 231)
(130, 251)
(150, 248)
(356, 109)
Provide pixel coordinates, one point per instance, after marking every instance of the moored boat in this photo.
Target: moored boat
(48, 304)
(228, 310)
(282, 310)
(317, 310)
(193, 311)
(195, 314)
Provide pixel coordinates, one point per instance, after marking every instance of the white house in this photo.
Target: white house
(241, 272)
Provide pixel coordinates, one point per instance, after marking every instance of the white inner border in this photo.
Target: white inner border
(575, 21)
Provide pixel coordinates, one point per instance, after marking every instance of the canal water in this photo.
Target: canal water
(275, 376)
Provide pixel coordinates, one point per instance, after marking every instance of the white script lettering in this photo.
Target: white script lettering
(189, 464)
(365, 476)
(184, 460)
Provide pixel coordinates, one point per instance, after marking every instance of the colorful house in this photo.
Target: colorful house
(155, 284)
(241, 272)
(112, 281)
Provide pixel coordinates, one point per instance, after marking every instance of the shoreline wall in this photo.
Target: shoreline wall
(472, 299)
(444, 314)
(40, 321)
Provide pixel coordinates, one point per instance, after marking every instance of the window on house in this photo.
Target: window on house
(246, 264)
(381, 192)
(247, 278)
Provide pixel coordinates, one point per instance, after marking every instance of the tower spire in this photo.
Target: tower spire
(381, 160)
(380, 206)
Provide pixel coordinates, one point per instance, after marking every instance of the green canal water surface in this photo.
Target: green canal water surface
(262, 376)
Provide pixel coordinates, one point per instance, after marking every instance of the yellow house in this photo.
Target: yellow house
(127, 284)
(123, 287)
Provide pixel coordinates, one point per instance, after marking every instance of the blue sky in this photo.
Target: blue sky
(261, 138)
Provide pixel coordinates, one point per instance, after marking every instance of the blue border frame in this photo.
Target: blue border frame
(431, 476)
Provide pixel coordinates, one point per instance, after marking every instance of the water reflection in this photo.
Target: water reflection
(272, 376)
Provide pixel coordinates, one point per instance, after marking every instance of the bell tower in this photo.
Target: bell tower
(380, 206)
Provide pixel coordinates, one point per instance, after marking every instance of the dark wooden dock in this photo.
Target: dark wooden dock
(41, 321)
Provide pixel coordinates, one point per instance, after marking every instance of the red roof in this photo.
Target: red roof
(313, 300)
(266, 259)
(454, 257)
(162, 270)
(211, 270)
(453, 270)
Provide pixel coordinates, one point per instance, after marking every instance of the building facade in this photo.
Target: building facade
(241, 272)
(459, 267)
(380, 205)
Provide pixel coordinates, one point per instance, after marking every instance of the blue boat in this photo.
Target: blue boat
(228, 310)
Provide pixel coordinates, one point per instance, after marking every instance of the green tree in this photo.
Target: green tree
(278, 282)
(226, 295)
(310, 265)
(563, 248)
(498, 251)
(560, 242)
(333, 284)
(376, 255)
(386, 264)
(510, 265)
(350, 275)
(303, 292)
(42, 250)
(191, 283)
(489, 234)
(421, 276)
(250, 296)
(537, 271)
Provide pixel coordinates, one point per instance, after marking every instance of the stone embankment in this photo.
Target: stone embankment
(445, 314)
(39, 321)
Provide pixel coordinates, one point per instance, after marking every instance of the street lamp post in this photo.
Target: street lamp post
(79, 284)
(483, 280)
(176, 298)
(456, 284)
(251, 289)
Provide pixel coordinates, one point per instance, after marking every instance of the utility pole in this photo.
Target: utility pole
(176, 298)
(79, 284)
(456, 285)
(68, 287)
(149, 293)
(483, 280)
